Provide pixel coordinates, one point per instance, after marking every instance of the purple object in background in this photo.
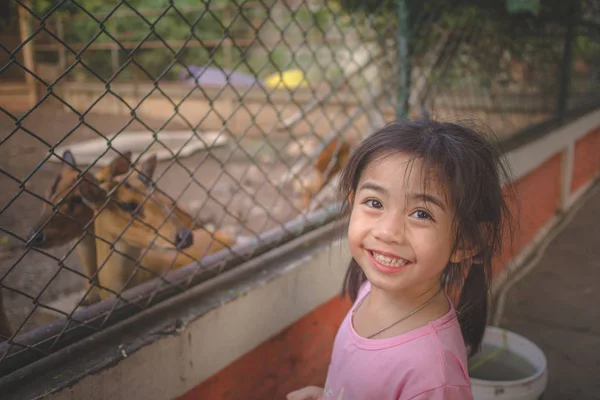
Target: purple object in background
(216, 77)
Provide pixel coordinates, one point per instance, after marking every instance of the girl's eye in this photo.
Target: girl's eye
(373, 203)
(420, 214)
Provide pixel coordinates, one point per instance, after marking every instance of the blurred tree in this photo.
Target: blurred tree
(509, 35)
(189, 29)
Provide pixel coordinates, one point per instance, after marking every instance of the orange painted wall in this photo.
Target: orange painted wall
(296, 357)
(299, 355)
(534, 199)
(587, 159)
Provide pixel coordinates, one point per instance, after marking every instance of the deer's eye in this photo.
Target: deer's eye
(74, 201)
(130, 206)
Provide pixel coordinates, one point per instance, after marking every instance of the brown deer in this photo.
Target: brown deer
(321, 172)
(72, 216)
(134, 219)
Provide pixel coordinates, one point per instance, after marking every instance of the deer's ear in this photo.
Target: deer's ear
(149, 166)
(120, 164)
(68, 159)
(147, 170)
(91, 191)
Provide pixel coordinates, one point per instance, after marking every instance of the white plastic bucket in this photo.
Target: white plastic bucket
(529, 388)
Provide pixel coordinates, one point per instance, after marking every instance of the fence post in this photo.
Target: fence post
(403, 59)
(28, 57)
(227, 45)
(62, 52)
(563, 94)
(114, 48)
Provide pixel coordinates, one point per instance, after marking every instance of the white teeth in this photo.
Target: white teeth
(388, 261)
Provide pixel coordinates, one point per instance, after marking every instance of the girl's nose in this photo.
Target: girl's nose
(389, 230)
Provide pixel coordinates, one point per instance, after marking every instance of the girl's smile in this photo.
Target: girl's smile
(387, 263)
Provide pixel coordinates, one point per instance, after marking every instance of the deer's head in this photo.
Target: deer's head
(65, 215)
(130, 209)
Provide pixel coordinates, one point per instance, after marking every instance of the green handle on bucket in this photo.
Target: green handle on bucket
(504, 347)
(490, 356)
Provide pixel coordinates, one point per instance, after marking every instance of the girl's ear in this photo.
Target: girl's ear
(351, 198)
(462, 254)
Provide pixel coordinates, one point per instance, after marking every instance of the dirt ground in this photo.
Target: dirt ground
(241, 197)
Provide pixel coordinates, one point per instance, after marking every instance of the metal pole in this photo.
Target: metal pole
(227, 46)
(28, 59)
(404, 65)
(566, 62)
(62, 52)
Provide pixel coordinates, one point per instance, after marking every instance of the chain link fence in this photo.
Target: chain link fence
(147, 146)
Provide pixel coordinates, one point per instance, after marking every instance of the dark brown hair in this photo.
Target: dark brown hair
(471, 169)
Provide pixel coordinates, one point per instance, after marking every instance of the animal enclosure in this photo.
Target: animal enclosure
(266, 101)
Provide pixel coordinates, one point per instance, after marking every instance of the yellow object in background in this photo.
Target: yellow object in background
(290, 79)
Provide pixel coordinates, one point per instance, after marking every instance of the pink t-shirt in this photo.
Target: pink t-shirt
(429, 362)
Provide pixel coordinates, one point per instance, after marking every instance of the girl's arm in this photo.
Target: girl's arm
(306, 393)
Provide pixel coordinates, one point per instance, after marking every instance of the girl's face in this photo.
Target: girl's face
(400, 231)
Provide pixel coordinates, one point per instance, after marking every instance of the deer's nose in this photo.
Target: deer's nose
(184, 239)
(37, 238)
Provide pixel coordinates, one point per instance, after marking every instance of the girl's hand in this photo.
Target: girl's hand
(307, 393)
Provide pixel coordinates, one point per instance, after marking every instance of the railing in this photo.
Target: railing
(219, 131)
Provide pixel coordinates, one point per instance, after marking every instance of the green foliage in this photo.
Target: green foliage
(545, 10)
(368, 6)
(500, 34)
(193, 31)
(586, 47)
(519, 6)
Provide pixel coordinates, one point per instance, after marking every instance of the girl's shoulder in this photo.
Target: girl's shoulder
(435, 362)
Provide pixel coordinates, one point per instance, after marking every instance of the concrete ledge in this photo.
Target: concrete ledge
(188, 338)
(526, 158)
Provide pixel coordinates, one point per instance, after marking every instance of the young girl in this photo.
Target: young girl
(427, 215)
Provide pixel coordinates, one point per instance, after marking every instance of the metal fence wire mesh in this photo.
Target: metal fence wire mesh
(147, 146)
